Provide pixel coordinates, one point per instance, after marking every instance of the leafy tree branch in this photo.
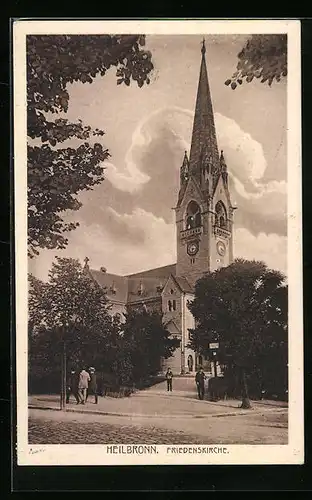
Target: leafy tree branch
(263, 57)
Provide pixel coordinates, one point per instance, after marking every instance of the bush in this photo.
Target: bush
(41, 381)
(149, 381)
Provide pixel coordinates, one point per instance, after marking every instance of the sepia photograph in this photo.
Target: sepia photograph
(158, 242)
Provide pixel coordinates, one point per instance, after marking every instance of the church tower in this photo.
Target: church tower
(204, 212)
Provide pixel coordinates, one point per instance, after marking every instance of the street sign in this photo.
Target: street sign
(214, 345)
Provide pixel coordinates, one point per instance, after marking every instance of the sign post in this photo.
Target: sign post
(213, 346)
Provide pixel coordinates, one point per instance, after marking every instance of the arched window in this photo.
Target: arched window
(193, 218)
(174, 305)
(169, 305)
(221, 216)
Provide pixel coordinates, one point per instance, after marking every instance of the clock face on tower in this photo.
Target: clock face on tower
(192, 248)
(221, 248)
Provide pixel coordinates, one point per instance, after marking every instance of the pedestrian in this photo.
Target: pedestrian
(72, 386)
(92, 388)
(84, 379)
(200, 383)
(169, 377)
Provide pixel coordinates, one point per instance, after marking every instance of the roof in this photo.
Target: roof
(173, 324)
(144, 288)
(113, 283)
(158, 272)
(183, 284)
(139, 286)
(204, 132)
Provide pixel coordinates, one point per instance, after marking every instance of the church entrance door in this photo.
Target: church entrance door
(190, 362)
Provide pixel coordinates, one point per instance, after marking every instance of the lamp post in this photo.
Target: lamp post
(64, 362)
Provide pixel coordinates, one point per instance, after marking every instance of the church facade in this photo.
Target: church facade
(204, 238)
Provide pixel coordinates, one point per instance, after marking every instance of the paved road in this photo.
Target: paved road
(52, 427)
(48, 430)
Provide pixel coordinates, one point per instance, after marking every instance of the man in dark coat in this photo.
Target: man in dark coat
(72, 386)
(169, 377)
(92, 388)
(200, 383)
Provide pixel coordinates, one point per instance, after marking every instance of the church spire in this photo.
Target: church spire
(204, 133)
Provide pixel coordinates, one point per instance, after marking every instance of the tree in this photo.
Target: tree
(148, 341)
(244, 308)
(56, 175)
(70, 310)
(263, 57)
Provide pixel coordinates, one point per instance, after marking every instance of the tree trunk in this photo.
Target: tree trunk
(245, 398)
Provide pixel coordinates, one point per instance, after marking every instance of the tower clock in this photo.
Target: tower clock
(192, 248)
(221, 248)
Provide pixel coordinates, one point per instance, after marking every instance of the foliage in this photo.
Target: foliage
(244, 308)
(148, 341)
(70, 307)
(263, 57)
(57, 175)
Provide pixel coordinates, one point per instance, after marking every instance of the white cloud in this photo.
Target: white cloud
(129, 181)
(270, 248)
(129, 177)
(247, 165)
(120, 257)
(159, 248)
(244, 155)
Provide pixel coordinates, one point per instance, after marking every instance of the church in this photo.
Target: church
(204, 238)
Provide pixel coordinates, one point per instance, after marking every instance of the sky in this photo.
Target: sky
(127, 223)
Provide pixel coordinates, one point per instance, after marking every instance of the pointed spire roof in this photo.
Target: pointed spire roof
(204, 133)
(185, 165)
(185, 159)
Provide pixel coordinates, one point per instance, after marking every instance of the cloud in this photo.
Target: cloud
(245, 157)
(162, 137)
(262, 205)
(159, 247)
(270, 248)
(117, 255)
(129, 177)
(127, 224)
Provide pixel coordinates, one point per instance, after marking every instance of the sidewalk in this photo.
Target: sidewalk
(154, 402)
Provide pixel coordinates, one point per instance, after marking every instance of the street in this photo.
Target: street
(154, 416)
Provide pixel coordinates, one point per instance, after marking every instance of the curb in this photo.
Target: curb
(134, 415)
(138, 415)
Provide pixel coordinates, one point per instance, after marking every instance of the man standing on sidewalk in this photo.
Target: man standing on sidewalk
(92, 389)
(72, 386)
(84, 379)
(200, 383)
(169, 377)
